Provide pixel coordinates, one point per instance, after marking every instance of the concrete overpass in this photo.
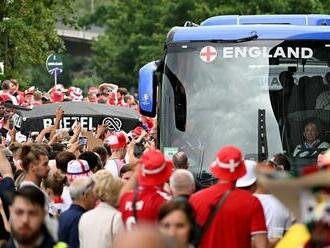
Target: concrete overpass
(78, 42)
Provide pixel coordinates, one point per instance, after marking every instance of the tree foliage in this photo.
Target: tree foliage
(28, 34)
(135, 33)
(136, 29)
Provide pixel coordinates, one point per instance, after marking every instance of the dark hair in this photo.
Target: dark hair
(45, 147)
(327, 77)
(286, 79)
(93, 160)
(123, 91)
(14, 147)
(108, 148)
(55, 182)
(281, 159)
(32, 194)
(311, 121)
(124, 169)
(127, 97)
(31, 153)
(6, 117)
(180, 160)
(62, 159)
(56, 149)
(181, 204)
(102, 152)
(138, 149)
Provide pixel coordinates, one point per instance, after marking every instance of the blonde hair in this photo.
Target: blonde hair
(55, 182)
(107, 187)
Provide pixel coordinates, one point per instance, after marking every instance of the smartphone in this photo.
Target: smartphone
(82, 141)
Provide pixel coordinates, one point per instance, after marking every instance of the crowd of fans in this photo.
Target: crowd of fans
(63, 191)
(105, 93)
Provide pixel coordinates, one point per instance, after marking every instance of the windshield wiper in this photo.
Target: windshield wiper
(253, 36)
(262, 136)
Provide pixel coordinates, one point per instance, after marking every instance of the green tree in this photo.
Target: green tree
(205, 9)
(28, 34)
(136, 30)
(135, 34)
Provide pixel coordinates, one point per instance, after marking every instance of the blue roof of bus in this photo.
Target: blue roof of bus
(305, 20)
(282, 27)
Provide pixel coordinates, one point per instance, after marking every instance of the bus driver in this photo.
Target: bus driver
(312, 145)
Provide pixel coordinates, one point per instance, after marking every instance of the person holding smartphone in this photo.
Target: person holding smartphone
(83, 143)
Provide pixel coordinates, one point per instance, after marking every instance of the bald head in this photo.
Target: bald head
(144, 236)
(180, 160)
(182, 182)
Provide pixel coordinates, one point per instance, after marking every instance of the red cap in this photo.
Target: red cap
(154, 169)
(137, 132)
(229, 164)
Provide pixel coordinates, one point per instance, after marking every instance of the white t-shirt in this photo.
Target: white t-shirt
(278, 218)
(114, 166)
(66, 198)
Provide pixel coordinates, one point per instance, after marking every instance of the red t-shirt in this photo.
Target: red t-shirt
(148, 202)
(239, 217)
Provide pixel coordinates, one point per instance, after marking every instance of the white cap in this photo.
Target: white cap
(250, 177)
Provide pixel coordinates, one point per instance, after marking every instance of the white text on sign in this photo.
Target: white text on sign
(67, 122)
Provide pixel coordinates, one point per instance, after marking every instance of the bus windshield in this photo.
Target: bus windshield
(223, 86)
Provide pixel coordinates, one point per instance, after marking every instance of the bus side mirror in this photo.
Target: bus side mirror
(148, 89)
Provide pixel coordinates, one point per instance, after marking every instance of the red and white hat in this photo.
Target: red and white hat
(116, 140)
(75, 94)
(154, 169)
(78, 168)
(229, 164)
(250, 177)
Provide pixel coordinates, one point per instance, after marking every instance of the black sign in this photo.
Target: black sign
(88, 114)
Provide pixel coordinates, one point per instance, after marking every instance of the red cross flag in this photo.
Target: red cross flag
(208, 54)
